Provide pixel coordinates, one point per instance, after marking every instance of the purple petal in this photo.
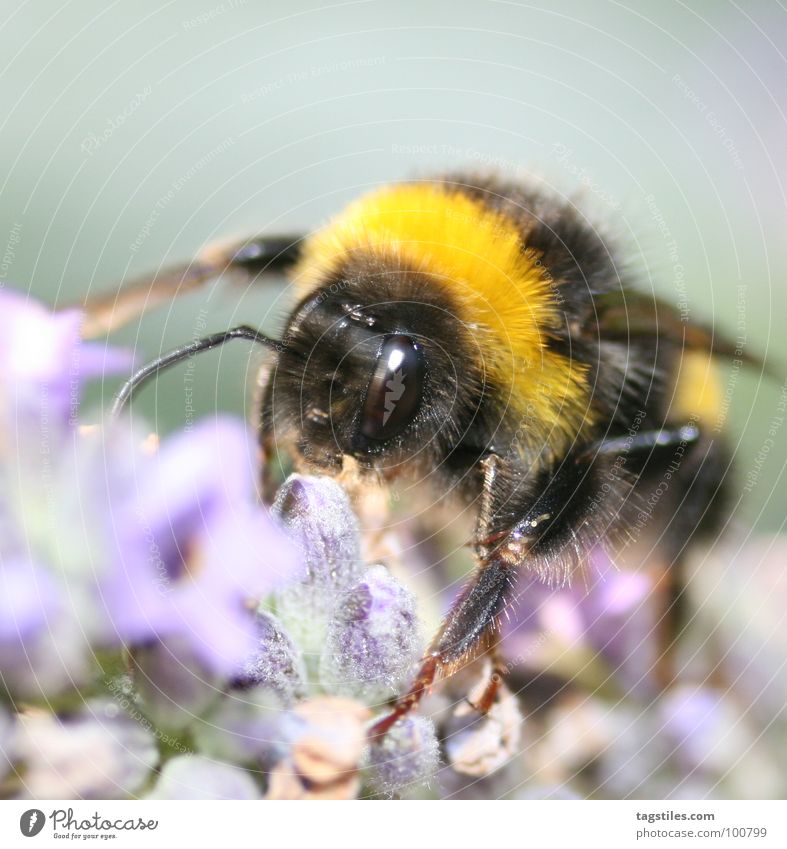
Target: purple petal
(196, 473)
(45, 363)
(28, 601)
(194, 548)
(97, 359)
(245, 554)
(221, 636)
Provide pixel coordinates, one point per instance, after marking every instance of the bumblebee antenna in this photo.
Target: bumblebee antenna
(152, 369)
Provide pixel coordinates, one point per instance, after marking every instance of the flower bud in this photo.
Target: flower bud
(406, 756)
(373, 639)
(317, 514)
(275, 663)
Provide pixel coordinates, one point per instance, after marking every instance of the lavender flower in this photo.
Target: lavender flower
(373, 639)
(132, 548)
(607, 612)
(275, 662)
(44, 638)
(405, 758)
(197, 548)
(320, 520)
(366, 625)
(45, 366)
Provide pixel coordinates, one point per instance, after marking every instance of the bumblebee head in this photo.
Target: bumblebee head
(464, 295)
(372, 367)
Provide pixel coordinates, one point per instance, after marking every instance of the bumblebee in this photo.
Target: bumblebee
(479, 336)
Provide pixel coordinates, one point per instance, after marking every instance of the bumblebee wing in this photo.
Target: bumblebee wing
(630, 315)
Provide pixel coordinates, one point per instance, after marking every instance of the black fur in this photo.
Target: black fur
(546, 515)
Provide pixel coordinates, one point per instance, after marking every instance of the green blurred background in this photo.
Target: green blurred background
(134, 133)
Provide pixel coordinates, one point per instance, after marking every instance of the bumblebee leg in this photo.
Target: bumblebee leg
(466, 630)
(497, 674)
(463, 636)
(252, 257)
(267, 442)
(259, 255)
(423, 681)
(694, 508)
(490, 467)
(643, 443)
(532, 527)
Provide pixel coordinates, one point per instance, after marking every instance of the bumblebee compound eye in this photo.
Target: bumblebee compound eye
(394, 392)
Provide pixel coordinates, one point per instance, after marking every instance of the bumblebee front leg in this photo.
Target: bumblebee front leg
(532, 527)
(266, 440)
(465, 634)
(467, 629)
(483, 540)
